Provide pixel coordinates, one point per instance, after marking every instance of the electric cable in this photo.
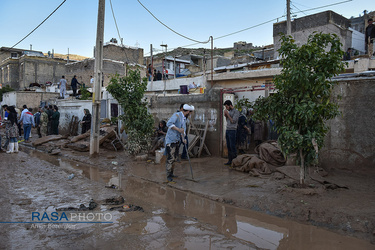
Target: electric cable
(118, 31)
(39, 24)
(216, 38)
(169, 27)
(114, 18)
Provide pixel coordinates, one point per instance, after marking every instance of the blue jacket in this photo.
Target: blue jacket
(178, 120)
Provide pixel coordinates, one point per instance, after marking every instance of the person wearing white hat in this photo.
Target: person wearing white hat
(184, 151)
(176, 129)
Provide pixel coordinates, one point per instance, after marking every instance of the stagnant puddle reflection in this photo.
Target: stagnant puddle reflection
(182, 219)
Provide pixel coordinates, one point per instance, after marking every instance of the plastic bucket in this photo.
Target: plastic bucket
(184, 89)
(158, 155)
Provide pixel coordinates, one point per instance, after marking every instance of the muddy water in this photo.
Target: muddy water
(181, 219)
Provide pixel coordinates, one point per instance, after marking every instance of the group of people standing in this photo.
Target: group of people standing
(155, 76)
(241, 127)
(74, 84)
(45, 120)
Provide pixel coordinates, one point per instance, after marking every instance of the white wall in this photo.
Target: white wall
(174, 84)
(68, 108)
(358, 40)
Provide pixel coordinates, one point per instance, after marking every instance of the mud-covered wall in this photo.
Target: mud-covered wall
(350, 141)
(206, 108)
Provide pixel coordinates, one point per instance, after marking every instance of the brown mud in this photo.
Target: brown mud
(224, 209)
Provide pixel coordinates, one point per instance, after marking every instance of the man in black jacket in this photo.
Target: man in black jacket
(74, 85)
(370, 37)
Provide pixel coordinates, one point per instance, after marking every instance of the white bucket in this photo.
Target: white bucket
(158, 155)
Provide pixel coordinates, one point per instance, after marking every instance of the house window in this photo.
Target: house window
(13, 55)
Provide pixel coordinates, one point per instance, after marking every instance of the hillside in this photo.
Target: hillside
(71, 56)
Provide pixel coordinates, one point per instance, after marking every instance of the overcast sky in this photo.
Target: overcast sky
(73, 25)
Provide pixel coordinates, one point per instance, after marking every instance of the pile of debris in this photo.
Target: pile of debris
(108, 139)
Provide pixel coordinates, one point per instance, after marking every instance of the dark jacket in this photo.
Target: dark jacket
(370, 32)
(37, 118)
(74, 83)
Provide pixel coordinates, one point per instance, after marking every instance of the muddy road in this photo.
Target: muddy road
(40, 209)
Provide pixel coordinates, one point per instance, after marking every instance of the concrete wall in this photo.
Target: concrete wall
(350, 142)
(30, 98)
(39, 70)
(9, 73)
(325, 22)
(206, 108)
(124, 54)
(85, 69)
(68, 108)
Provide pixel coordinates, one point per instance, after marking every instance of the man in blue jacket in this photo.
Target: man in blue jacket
(27, 119)
(176, 129)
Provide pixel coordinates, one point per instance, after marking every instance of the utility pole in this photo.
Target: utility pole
(288, 21)
(212, 61)
(164, 64)
(94, 136)
(152, 66)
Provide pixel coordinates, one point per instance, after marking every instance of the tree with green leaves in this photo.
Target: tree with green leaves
(303, 103)
(138, 122)
(4, 90)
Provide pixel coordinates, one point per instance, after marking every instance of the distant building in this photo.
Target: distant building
(325, 22)
(19, 68)
(242, 45)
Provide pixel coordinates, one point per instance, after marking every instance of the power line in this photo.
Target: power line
(246, 29)
(114, 18)
(320, 7)
(324, 6)
(299, 9)
(39, 24)
(171, 28)
(118, 31)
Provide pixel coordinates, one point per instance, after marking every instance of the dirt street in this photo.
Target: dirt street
(224, 209)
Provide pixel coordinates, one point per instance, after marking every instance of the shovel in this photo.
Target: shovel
(191, 169)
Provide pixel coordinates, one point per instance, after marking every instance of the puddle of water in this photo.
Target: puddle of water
(252, 228)
(198, 223)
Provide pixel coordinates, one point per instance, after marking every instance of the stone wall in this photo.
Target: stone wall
(85, 69)
(123, 54)
(206, 108)
(9, 73)
(39, 70)
(350, 141)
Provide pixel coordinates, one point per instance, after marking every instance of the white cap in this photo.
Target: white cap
(188, 107)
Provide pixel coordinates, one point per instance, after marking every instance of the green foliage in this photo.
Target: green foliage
(114, 120)
(85, 94)
(303, 100)
(5, 89)
(138, 123)
(243, 103)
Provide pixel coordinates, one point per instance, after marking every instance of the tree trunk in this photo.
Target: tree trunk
(302, 172)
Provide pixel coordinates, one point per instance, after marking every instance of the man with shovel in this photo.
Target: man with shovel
(176, 129)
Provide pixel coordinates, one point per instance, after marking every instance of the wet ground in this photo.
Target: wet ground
(215, 212)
